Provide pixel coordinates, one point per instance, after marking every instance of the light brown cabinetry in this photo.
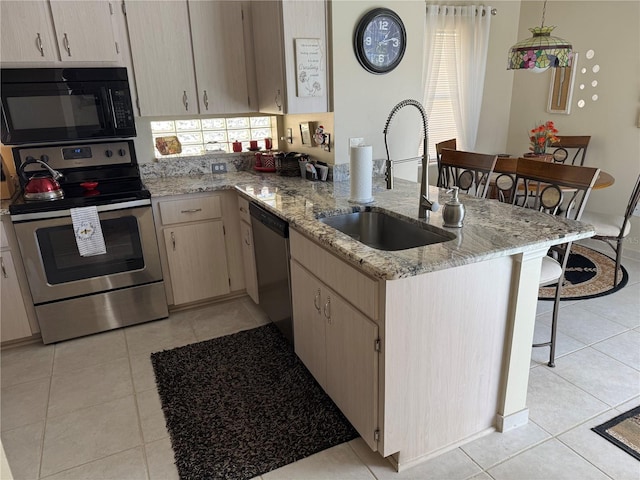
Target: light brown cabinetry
(336, 341)
(275, 26)
(188, 57)
(193, 234)
(248, 253)
(14, 322)
(56, 30)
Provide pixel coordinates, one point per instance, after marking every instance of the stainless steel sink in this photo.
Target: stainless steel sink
(385, 232)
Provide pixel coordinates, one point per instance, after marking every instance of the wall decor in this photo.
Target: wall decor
(309, 72)
(305, 133)
(379, 40)
(561, 88)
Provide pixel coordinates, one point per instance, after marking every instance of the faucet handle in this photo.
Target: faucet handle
(433, 206)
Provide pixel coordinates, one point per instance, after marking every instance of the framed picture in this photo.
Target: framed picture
(305, 133)
(561, 88)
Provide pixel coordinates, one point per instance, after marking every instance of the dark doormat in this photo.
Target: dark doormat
(242, 405)
(623, 431)
(589, 274)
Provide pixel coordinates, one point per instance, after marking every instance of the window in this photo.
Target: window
(442, 125)
(203, 135)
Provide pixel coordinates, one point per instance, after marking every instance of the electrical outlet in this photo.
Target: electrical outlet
(356, 141)
(219, 167)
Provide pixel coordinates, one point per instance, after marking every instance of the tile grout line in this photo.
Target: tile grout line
(46, 411)
(135, 401)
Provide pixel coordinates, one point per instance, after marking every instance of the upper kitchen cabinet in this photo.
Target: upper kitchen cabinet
(57, 30)
(217, 36)
(162, 59)
(188, 57)
(290, 48)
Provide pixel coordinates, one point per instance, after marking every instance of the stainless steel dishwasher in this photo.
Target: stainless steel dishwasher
(271, 245)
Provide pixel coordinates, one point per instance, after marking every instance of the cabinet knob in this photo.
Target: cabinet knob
(327, 309)
(316, 301)
(278, 101)
(4, 270)
(66, 44)
(173, 241)
(39, 45)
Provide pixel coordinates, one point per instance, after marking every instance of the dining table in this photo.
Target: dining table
(509, 164)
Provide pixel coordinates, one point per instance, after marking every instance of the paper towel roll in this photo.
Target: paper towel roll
(361, 172)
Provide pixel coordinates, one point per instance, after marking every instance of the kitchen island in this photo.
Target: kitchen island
(423, 349)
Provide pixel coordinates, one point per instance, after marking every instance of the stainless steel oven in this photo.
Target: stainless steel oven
(76, 294)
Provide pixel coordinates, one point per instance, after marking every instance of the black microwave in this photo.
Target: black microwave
(65, 104)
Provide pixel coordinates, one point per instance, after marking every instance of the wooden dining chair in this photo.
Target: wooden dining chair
(612, 229)
(469, 171)
(504, 174)
(570, 146)
(561, 190)
(450, 144)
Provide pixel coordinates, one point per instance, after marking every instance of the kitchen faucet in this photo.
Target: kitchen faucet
(424, 204)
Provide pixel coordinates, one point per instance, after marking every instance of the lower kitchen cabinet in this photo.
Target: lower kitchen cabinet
(340, 347)
(248, 252)
(248, 255)
(14, 323)
(14, 320)
(197, 261)
(199, 246)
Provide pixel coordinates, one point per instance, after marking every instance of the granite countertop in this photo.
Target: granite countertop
(491, 229)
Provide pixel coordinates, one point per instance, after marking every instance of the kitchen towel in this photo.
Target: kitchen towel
(88, 232)
(361, 172)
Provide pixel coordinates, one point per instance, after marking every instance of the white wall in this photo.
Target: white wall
(612, 30)
(362, 101)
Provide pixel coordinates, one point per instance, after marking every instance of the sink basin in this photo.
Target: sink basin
(385, 232)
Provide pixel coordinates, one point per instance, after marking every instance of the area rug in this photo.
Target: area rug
(623, 431)
(242, 405)
(589, 274)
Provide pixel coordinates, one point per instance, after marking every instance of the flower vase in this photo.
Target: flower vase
(542, 156)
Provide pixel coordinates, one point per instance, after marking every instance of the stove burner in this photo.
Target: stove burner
(98, 177)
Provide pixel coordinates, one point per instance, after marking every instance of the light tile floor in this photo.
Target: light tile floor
(88, 408)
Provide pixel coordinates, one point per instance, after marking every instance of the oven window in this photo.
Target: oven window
(63, 263)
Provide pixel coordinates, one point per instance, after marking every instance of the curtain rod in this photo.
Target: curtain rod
(494, 11)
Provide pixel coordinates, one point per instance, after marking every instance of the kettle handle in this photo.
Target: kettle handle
(29, 161)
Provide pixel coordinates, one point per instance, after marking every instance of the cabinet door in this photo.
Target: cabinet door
(84, 30)
(352, 364)
(197, 261)
(26, 32)
(13, 316)
(268, 50)
(219, 55)
(162, 57)
(249, 261)
(308, 322)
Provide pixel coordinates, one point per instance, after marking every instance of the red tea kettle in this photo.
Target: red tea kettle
(41, 186)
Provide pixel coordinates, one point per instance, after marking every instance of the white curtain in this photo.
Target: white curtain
(470, 29)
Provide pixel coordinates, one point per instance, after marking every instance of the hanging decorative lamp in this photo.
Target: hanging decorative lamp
(541, 51)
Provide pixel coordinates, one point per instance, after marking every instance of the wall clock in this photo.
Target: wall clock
(379, 40)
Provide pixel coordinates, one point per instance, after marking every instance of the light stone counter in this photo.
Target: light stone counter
(491, 229)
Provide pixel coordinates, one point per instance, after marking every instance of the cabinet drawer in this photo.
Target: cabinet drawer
(243, 208)
(190, 210)
(359, 289)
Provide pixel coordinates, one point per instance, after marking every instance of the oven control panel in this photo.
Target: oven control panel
(61, 157)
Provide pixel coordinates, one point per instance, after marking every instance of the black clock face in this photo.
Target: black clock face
(380, 40)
